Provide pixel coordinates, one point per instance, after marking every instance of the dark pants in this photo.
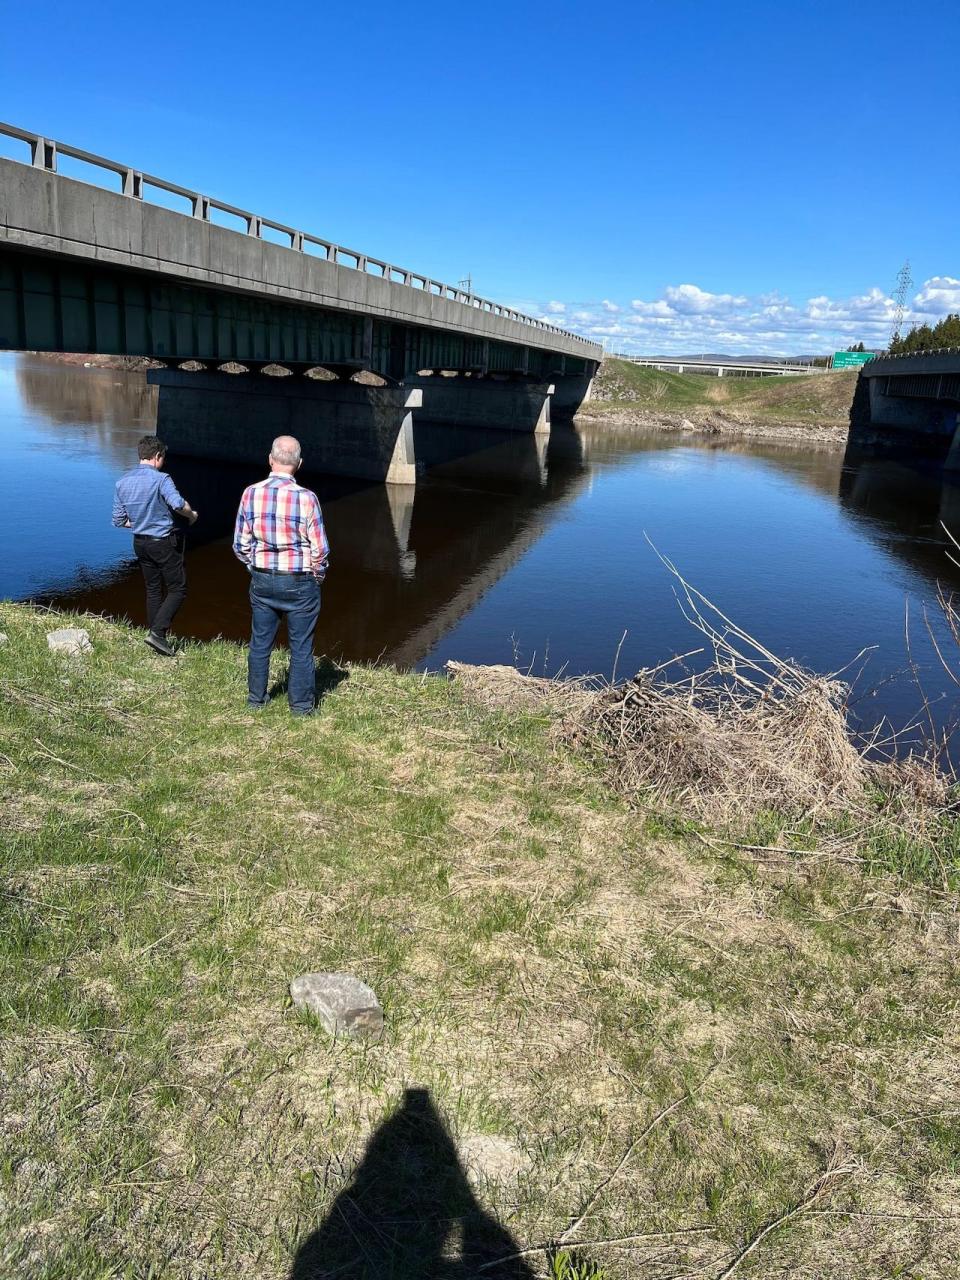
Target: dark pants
(295, 596)
(161, 561)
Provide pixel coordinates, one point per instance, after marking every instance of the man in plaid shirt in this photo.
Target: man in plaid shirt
(281, 539)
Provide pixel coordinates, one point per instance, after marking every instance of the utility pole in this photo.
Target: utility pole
(466, 284)
(904, 284)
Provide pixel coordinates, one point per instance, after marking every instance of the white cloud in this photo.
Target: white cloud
(939, 296)
(660, 308)
(687, 319)
(688, 299)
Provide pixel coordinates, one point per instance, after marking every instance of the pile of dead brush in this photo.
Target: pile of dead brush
(742, 733)
(720, 750)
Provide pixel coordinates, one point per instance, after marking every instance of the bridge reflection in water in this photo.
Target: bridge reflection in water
(903, 507)
(408, 563)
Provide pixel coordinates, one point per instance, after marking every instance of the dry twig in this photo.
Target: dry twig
(826, 1179)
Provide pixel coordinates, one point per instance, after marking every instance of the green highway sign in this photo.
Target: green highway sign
(850, 359)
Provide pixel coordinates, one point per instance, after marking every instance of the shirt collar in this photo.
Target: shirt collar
(280, 475)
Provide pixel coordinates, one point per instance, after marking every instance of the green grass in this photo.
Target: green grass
(555, 969)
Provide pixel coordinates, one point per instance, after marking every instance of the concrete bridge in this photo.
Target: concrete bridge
(909, 404)
(735, 365)
(88, 269)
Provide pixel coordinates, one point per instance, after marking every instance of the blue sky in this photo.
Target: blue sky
(675, 176)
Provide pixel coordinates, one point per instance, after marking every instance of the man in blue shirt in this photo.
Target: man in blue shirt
(145, 501)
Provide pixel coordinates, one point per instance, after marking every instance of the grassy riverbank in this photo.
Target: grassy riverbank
(635, 394)
(640, 1035)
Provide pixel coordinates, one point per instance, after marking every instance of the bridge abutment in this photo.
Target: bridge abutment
(908, 405)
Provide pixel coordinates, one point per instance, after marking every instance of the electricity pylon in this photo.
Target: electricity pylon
(904, 284)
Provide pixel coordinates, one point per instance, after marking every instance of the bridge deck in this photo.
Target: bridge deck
(125, 236)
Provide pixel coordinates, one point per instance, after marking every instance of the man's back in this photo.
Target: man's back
(280, 537)
(145, 498)
(144, 501)
(280, 527)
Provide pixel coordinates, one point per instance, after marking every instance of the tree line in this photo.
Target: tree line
(923, 337)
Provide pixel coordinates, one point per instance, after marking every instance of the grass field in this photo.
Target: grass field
(658, 1054)
(804, 398)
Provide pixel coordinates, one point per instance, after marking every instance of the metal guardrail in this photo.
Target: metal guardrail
(44, 153)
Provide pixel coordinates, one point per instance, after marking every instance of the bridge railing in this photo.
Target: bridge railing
(44, 153)
(923, 351)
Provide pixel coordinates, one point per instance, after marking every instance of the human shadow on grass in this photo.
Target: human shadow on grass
(409, 1213)
(327, 675)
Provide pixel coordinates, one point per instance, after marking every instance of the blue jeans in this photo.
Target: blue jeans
(273, 596)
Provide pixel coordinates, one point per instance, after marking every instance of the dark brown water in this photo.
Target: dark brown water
(526, 551)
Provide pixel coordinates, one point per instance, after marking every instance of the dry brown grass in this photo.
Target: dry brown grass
(746, 733)
(499, 688)
(720, 753)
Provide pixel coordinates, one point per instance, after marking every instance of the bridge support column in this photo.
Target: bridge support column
(345, 429)
(487, 403)
(570, 392)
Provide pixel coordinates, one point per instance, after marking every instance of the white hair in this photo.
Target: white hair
(286, 451)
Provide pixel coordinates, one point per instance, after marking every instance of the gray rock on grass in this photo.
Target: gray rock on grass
(71, 640)
(4, 639)
(345, 1005)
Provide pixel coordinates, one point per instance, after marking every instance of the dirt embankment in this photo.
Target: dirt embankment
(77, 359)
(806, 409)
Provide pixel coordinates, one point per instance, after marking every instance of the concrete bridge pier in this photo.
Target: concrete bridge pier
(496, 404)
(570, 391)
(346, 429)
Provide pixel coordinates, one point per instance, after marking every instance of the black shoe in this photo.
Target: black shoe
(156, 641)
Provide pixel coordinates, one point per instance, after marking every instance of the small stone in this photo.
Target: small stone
(4, 639)
(72, 640)
(345, 1005)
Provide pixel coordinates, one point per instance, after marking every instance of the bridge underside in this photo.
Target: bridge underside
(48, 304)
(53, 304)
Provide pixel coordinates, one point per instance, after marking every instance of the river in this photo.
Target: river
(529, 552)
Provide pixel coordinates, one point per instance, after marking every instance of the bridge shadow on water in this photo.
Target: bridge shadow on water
(409, 1212)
